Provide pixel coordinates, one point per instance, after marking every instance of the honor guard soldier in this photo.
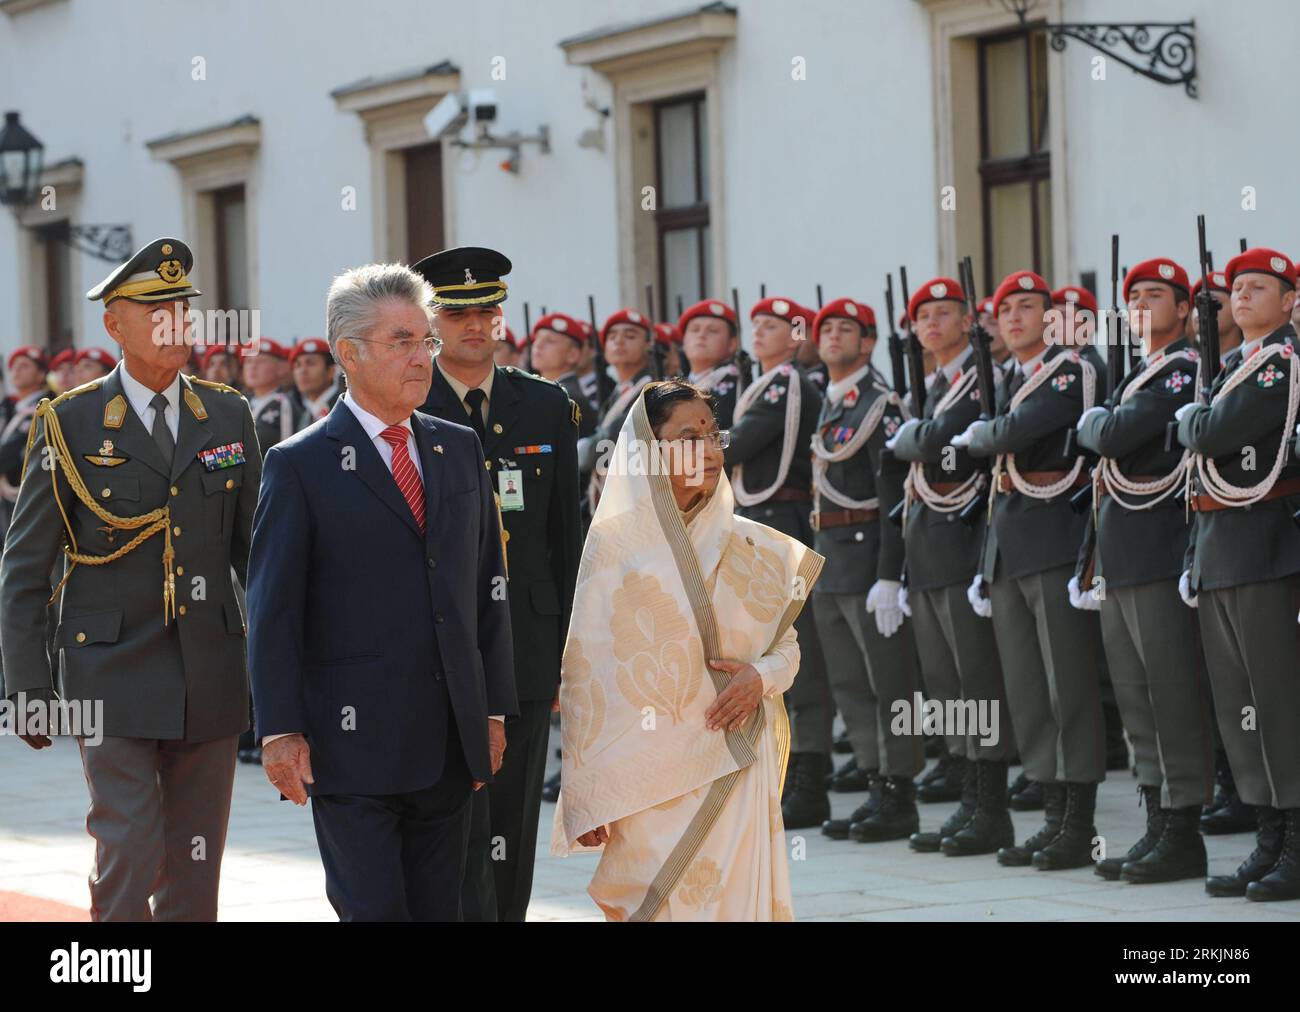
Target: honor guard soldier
(316, 386)
(1137, 555)
(625, 338)
(1049, 651)
(274, 411)
(771, 477)
(528, 428)
(958, 651)
(62, 370)
(1229, 332)
(669, 339)
(870, 658)
(92, 364)
(220, 364)
(146, 480)
(28, 374)
(1243, 574)
(556, 350)
(710, 340)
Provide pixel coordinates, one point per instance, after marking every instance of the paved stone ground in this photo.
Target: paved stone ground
(272, 871)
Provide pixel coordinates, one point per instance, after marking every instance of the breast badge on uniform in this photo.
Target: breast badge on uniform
(723, 388)
(891, 426)
(1269, 376)
(1062, 381)
(851, 398)
(104, 458)
(841, 434)
(1177, 380)
(773, 394)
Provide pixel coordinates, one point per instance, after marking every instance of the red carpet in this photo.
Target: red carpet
(20, 907)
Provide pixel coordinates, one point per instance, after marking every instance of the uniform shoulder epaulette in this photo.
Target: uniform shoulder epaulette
(524, 374)
(67, 395)
(211, 385)
(575, 412)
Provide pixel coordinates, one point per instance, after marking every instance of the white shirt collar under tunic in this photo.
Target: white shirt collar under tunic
(140, 397)
(374, 426)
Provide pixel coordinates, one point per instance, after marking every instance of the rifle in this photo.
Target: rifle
(528, 325)
(1244, 247)
(819, 296)
(915, 355)
(895, 342)
(1116, 360)
(744, 364)
(1207, 319)
(604, 382)
(982, 352)
(656, 349)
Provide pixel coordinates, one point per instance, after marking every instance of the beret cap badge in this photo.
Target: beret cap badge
(781, 306)
(939, 290)
(716, 309)
(1166, 271)
(1277, 263)
(1026, 282)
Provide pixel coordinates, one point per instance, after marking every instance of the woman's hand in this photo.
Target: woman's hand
(738, 700)
(594, 837)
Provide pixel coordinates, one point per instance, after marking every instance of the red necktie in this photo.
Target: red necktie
(404, 472)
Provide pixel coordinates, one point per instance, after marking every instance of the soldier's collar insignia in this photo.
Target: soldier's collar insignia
(115, 412)
(196, 405)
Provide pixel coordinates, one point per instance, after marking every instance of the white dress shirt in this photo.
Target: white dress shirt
(835, 391)
(140, 395)
(374, 426)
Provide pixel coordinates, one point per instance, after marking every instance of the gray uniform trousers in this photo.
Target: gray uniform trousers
(1252, 647)
(808, 700)
(868, 673)
(158, 816)
(959, 661)
(1151, 646)
(1051, 660)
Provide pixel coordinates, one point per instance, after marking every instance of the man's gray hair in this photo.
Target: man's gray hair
(354, 295)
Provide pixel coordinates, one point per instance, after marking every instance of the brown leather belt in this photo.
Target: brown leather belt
(841, 518)
(1205, 504)
(790, 495)
(945, 487)
(1041, 478)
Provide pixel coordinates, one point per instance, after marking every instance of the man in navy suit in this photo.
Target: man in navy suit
(379, 630)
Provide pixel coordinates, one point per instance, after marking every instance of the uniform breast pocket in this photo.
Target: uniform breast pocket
(220, 494)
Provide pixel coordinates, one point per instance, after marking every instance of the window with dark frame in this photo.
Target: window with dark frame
(57, 257)
(229, 213)
(424, 209)
(682, 201)
(1015, 157)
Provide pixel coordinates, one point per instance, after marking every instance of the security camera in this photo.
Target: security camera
(447, 117)
(483, 105)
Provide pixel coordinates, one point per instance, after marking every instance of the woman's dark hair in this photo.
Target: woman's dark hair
(662, 397)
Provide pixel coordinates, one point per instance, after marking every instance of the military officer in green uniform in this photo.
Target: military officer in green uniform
(528, 428)
(771, 476)
(1050, 652)
(958, 651)
(1136, 558)
(1243, 571)
(157, 477)
(870, 656)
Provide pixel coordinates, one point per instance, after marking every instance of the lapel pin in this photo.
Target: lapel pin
(437, 448)
(496, 427)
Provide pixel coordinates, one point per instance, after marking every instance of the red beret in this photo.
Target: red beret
(709, 308)
(666, 333)
(1160, 269)
(935, 290)
(219, 349)
(311, 346)
(849, 309)
(266, 346)
(783, 309)
(987, 305)
(1261, 261)
(66, 357)
(561, 323)
(104, 358)
(1081, 297)
(1017, 283)
(626, 315)
(29, 351)
(1218, 283)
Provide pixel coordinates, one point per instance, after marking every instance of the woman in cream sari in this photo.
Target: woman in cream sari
(674, 736)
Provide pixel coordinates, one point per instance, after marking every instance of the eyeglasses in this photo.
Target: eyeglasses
(406, 347)
(721, 438)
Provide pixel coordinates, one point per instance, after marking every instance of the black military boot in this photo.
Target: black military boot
(1178, 854)
(1283, 882)
(1109, 868)
(944, 782)
(788, 782)
(842, 745)
(1227, 813)
(806, 802)
(989, 830)
(851, 778)
(895, 819)
(1054, 811)
(928, 843)
(1025, 795)
(551, 789)
(1268, 848)
(1073, 845)
(838, 829)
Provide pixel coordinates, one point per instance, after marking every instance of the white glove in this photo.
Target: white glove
(1189, 406)
(889, 443)
(903, 606)
(882, 601)
(965, 438)
(980, 604)
(1084, 600)
(1084, 417)
(1185, 589)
